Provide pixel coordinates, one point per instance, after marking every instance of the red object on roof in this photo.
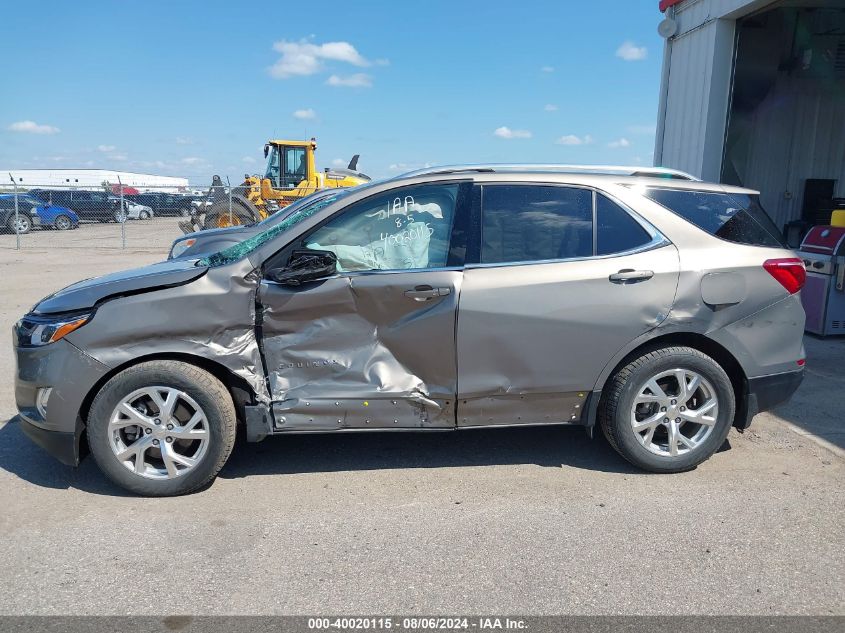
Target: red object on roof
(127, 191)
(665, 4)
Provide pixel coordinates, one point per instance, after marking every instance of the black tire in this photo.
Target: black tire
(615, 408)
(200, 385)
(217, 215)
(62, 223)
(23, 226)
(144, 215)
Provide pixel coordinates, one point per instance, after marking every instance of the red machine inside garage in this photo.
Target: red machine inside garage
(823, 296)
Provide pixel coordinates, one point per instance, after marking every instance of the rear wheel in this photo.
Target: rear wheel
(63, 223)
(144, 215)
(162, 428)
(668, 410)
(19, 224)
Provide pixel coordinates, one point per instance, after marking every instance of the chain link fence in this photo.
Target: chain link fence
(110, 216)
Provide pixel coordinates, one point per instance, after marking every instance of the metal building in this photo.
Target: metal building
(753, 94)
(91, 178)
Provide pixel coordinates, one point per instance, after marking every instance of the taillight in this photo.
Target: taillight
(789, 271)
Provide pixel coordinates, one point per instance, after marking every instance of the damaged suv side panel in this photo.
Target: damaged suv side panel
(358, 352)
(212, 317)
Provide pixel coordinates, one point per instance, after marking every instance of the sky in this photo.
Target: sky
(192, 89)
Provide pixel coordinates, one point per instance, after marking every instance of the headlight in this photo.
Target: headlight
(181, 246)
(35, 331)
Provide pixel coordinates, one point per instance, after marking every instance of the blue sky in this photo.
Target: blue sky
(195, 88)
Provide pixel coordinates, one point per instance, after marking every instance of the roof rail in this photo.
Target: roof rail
(609, 170)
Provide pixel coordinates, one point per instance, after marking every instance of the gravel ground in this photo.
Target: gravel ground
(531, 521)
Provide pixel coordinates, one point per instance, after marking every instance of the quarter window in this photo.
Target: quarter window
(522, 223)
(404, 229)
(733, 217)
(616, 230)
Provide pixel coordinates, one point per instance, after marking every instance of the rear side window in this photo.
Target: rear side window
(616, 230)
(733, 217)
(522, 223)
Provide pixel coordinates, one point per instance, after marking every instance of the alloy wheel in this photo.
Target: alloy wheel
(63, 223)
(159, 432)
(674, 412)
(20, 224)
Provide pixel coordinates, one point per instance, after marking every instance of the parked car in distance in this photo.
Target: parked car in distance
(165, 203)
(92, 205)
(665, 311)
(46, 216)
(134, 210)
(206, 242)
(22, 222)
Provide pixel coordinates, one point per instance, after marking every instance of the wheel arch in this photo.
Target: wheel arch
(239, 389)
(700, 342)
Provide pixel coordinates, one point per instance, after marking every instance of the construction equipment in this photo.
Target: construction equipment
(290, 174)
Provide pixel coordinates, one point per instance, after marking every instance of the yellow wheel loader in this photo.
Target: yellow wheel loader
(290, 174)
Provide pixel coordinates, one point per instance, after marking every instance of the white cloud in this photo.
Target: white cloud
(304, 58)
(643, 129)
(548, 69)
(622, 142)
(192, 160)
(630, 52)
(31, 127)
(572, 139)
(248, 159)
(106, 148)
(184, 140)
(120, 157)
(506, 132)
(550, 107)
(339, 162)
(307, 113)
(358, 80)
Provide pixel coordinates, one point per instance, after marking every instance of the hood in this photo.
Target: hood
(90, 292)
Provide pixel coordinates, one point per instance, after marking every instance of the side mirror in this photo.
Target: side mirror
(305, 265)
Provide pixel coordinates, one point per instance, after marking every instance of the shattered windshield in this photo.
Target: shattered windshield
(241, 250)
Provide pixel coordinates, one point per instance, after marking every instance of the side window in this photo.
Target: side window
(404, 229)
(81, 196)
(522, 223)
(616, 230)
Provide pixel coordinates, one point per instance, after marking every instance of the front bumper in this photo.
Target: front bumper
(62, 446)
(767, 392)
(71, 374)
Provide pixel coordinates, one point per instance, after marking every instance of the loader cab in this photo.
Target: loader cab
(289, 163)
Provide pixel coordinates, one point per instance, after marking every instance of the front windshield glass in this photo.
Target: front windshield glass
(241, 250)
(274, 170)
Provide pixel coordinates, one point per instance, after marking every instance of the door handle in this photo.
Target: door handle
(426, 293)
(631, 276)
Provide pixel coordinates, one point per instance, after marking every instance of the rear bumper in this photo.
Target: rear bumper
(767, 392)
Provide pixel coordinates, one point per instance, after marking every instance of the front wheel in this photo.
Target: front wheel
(668, 410)
(219, 216)
(162, 428)
(144, 215)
